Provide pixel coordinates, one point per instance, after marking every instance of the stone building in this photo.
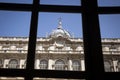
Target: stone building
(58, 51)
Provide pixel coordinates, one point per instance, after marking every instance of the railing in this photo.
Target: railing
(111, 52)
(111, 40)
(55, 51)
(43, 51)
(59, 51)
(14, 38)
(13, 51)
(12, 66)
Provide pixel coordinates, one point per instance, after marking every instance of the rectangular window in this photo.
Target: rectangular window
(109, 25)
(109, 3)
(59, 42)
(37, 78)
(14, 32)
(17, 1)
(11, 78)
(61, 2)
(83, 18)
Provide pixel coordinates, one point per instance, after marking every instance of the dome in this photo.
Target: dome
(59, 32)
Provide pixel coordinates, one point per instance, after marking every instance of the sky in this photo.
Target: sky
(16, 24)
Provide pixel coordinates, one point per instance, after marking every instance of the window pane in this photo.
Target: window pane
(61, 2)
(13, 63)
(107, 65)
(37, 78)
(17, 1)
(108, 2)
(11, 78)
(14, 33)
(109, 25)
(43, 64)
(59, 65)
(59, 41)
(76, 65)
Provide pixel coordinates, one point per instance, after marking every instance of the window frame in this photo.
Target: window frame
(93, 62)
(108, 65)
(59, 64)
(43, 64)
(13, 63)
(76, 65)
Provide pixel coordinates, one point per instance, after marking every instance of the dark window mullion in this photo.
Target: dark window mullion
(109, 10)
(15, 7)
(32, 41)
(92, 41)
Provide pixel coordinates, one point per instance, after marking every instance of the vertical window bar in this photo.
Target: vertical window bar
(32, 41)
(92, 41)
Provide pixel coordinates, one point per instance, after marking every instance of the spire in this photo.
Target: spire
(60, 23)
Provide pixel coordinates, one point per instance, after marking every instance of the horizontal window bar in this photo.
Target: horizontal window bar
(109, 10)
(42, 73)
(45, 8)
(15, 7)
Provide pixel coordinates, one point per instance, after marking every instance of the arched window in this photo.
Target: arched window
(43, 64)
(13, 63)
(76, 65)
(59, 65)
(107, 66)
(118, 66)
(1, 63)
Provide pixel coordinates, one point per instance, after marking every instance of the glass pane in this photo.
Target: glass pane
(109, 25)
(59, 42)
(11, 78)
(61, 2)
(108, 2)
(17, 1)
(14, 33)
(37, 78)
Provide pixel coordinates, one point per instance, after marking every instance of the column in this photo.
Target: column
(6, 62)
(82, 65)
(114, 65)
(50, 64)
(70, 65)
(22, 63)
(37, 63)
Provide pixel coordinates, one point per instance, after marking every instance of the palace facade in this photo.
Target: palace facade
(58, 51)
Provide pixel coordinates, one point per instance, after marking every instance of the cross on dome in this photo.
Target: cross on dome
(60, 32)
(60, 23)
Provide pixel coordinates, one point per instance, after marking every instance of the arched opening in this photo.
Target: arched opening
(107, 66)
(76, 65)
(59, 65)
(13, 63)
(43, 64)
